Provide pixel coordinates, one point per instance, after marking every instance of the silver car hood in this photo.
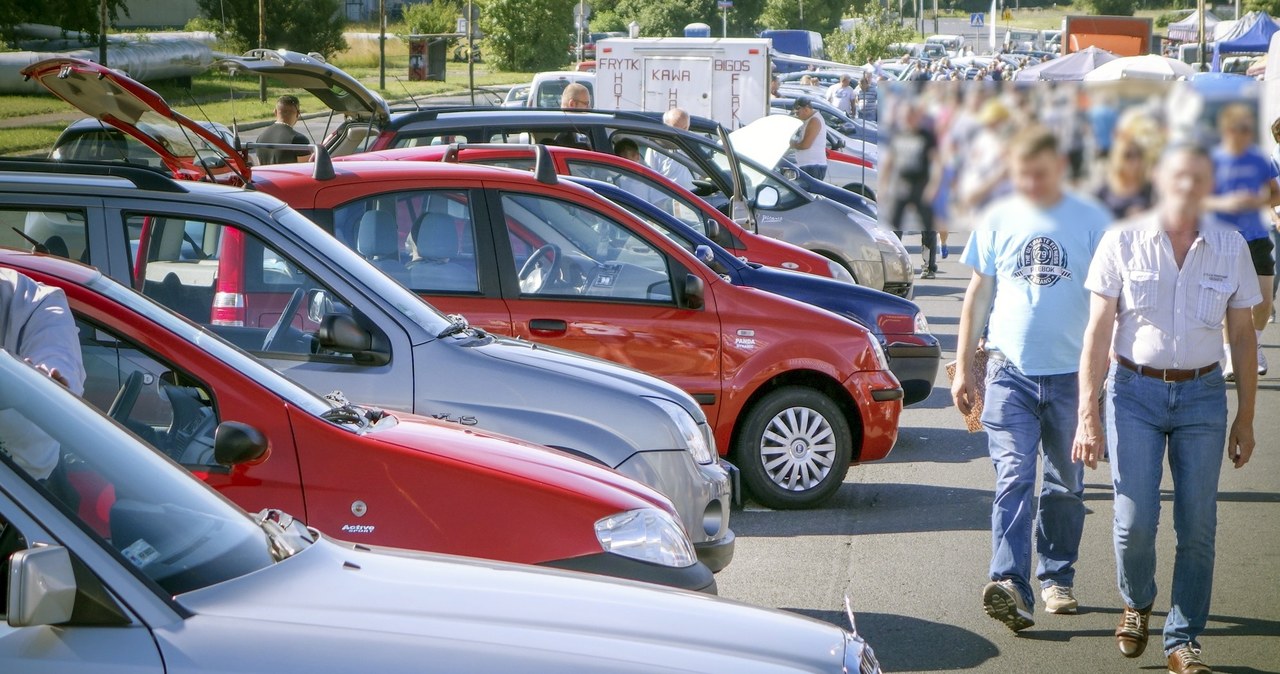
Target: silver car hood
(767, 139)
(459, 614)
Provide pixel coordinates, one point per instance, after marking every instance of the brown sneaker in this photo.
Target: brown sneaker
(1185, 659)
(1132, 633)
(1002, 601)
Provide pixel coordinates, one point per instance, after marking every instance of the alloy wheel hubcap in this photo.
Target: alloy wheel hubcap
(797, 448)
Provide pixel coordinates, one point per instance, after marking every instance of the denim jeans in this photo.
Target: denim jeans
(1025, 417)
(1146, 416)
(817, 171)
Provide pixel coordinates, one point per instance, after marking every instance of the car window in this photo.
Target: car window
(424, 239)
(549, 92)
(57, 232)
(168, 527)
(103, 144)
(351, 138)
(229, 280)
(164, 406)
(560, 249)
(646, 188)
(788, 197)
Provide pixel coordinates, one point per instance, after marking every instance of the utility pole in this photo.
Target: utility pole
(262, 44)
(102, 32)
(382, 45)
(1200, 10)
(471, 50)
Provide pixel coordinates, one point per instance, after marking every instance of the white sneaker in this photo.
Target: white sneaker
(1059, 599)
(1262, 362)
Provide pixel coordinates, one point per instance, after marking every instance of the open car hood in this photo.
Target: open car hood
(188, 150)
(765, 140)
(334, 87)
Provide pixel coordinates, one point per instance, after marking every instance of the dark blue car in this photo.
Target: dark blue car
(914, 353)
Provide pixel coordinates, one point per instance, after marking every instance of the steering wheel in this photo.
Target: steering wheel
(126, 397)
(550, 254)
(282, 324)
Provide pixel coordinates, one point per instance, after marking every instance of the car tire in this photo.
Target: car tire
(794, 448)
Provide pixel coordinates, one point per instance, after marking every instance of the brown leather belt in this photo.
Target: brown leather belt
(1165, 375)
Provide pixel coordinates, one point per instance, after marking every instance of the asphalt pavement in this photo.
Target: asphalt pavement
(908, 540)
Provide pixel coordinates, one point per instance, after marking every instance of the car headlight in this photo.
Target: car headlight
(922, 324)
(647, 534)
(694, 439)
(838, 272)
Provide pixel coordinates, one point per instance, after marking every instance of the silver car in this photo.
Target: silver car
(120, 561)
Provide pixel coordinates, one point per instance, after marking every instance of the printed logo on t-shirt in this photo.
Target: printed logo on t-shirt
(1043, 262)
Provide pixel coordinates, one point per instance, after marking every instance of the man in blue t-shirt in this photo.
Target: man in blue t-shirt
(1030, 253)
(1244, 185)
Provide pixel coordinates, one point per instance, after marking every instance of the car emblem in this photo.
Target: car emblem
(358, 508)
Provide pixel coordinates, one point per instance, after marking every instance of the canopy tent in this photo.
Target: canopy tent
(1072, 67)
(1188, 29)
(1222, 29)
(1252, 33)
(1146, 67)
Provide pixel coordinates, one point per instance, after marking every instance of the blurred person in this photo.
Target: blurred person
(810, 142)
(985, 175)
(1103, 115)
(1244, 184)
(840, 94)
(576, 96)
(774, 83)
(866, 98)
(1029, 254)
(1126, 187)
(665, 163)
(808, 81)
(288, 112)
(1165, 392)
(914, 169)
(36, 325)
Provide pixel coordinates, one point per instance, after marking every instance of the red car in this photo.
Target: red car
(635, 177)
(362, 474)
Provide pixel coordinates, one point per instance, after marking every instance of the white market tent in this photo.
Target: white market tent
(1188, 29)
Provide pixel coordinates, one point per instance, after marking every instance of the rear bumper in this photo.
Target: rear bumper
(916, 368)
(696, 577)
(879, 399)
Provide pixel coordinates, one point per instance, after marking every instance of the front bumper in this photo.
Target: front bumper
(879, 400)
(916, 367)
(700, 494)
(696, 577)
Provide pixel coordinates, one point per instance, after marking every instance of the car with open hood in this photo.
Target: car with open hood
(275, 284)
(160, 575)
(753, 194)
(364, 474)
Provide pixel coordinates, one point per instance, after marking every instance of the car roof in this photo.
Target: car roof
(49, 265)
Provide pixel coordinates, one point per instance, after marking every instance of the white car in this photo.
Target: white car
(122, 561)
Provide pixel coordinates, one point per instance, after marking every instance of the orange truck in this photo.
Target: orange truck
(1120, 35)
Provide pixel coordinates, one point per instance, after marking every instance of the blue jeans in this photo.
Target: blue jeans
(818, 171)
(1026, 417)
(1146, 416)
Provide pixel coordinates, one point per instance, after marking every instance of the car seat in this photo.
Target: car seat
(376, 241)
(440, 266)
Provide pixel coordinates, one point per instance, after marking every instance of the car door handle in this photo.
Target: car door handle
(548, 326)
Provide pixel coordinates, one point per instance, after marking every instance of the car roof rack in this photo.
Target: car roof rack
(433, 112)
(544, 169)
(142, 177)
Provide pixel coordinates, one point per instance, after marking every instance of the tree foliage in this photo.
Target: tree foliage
(438, 16)
(298, 25)
(1107, 7)
(71, 15)
(1271, 7)
(527, 34)
(869, 40)
(820, 15)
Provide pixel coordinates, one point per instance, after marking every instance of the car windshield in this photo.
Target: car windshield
(754, 176)
(379, 283)
(167, 525)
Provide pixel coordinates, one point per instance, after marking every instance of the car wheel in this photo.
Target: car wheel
(794, 448)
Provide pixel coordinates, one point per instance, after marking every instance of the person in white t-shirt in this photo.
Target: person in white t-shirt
(840, 95)
(665, 163)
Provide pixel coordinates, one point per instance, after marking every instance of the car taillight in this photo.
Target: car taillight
(228, 295)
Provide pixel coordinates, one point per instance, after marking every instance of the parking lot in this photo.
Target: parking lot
(908, 540)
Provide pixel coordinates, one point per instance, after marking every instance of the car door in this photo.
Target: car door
(578, 278)
(439, 252)
(47, 649)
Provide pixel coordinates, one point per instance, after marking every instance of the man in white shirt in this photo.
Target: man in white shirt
(1162, 289)
(36, 325)
(840, 95)
(665, 163)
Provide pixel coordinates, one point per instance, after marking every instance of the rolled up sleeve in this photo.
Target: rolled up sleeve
(1248, 292)
(1105, 277)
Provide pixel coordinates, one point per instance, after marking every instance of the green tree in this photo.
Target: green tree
(1106, 7)
(71, 15)
(869, 40)
(820, 15)
(298, 25)
(438, 16)
(668, 20)
(527, 34)
(1271, 7)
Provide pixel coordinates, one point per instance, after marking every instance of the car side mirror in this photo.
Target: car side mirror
(42, 586)
(235, 443)
(837, 144)
(788, 173)
(704, 254)
(694, 292)
(713, 230)
(341, 333)
(767, 195)
(319, 305)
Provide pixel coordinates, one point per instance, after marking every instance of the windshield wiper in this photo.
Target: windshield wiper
(285, 535)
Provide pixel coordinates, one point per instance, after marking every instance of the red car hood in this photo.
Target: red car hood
(189, 150)
(463, 444)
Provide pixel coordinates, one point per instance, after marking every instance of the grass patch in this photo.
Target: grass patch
(28, 105)
(29, 141)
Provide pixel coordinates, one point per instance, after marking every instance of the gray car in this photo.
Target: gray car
(384, 346)
(759, 197)
(163, 575)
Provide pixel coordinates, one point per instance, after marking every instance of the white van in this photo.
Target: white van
(546, 88)
(952, 43)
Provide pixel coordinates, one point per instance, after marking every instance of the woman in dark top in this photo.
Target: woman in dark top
(1126, 187)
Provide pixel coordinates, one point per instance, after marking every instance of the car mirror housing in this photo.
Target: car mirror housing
(42, 587)
(235, 443)
(694, 291)
(714, 232)
(319, 305)
(341, 333)
(767, 196)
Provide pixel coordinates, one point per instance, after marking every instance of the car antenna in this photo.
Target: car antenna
(207, 171)
(36, 246)
(408, 93)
